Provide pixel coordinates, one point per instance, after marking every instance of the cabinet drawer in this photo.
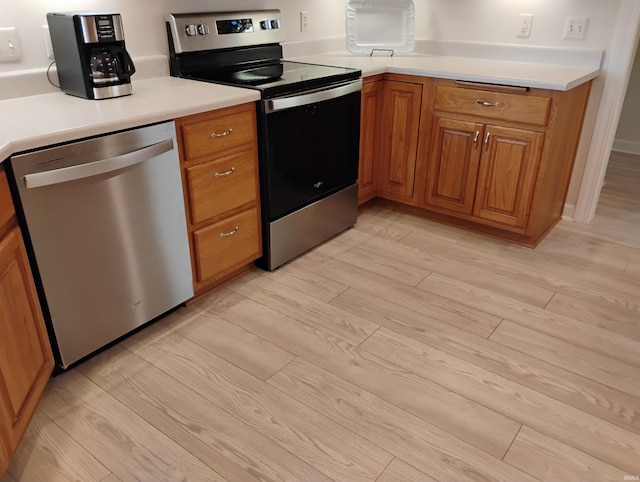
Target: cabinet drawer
(212, 136)
(228, 243)
(221, 185)
(528, 109)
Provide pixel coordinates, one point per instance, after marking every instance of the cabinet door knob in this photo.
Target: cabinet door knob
(486, 142)
(222, 134)
(230, 233)
(487, 103)
(475, 141)
(226, 173)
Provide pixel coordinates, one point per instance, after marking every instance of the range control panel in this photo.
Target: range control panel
(202, 31)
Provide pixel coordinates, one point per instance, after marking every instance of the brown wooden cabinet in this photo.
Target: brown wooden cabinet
(506, 178)
(398, 132)
(453, 165)
(370, 118)
(219, 158)
(484, 170)
(499, 159)
(26, 361)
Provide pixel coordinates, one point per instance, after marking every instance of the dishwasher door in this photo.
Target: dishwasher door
(106, 222)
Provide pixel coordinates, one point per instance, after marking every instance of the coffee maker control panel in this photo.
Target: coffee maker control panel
(100, 28)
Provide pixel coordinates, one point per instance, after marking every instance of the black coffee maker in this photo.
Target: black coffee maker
(90, 54)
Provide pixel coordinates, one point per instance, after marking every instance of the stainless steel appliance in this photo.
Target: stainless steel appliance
(308, 120)
(90, 54)
(107, 231)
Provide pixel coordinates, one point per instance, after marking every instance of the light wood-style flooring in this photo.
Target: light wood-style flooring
(399, 351)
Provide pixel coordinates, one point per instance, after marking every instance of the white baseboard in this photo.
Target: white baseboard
(628, 147)
(567, 213)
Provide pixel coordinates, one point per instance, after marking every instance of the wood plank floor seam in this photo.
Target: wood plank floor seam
(512, 442)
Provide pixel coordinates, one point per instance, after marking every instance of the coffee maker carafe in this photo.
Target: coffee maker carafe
(90, 54)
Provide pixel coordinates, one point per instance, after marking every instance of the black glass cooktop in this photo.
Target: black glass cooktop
(279, 78)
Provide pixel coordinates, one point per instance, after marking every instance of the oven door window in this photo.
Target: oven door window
(311, 152)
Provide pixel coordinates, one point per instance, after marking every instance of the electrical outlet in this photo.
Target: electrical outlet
(304, 21)
(524, 28)
(575, 27)
(9, 45)
(47, 41)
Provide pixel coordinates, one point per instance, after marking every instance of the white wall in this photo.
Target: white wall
(144, 21)
(497, 21)
(461, 20)
(628, 133)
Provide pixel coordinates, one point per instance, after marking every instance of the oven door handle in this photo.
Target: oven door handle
(274, 105)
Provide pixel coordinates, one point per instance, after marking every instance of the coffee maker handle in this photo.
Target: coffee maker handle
(126, 69)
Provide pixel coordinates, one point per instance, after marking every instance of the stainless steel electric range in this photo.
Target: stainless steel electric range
(308, 121)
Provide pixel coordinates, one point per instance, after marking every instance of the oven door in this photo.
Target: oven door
(309, 146)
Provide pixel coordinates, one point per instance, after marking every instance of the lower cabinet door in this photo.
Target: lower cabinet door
(26, 361)
(453, 167)
(399, 139)
(227, 244)
(369, 131)
(507, 175)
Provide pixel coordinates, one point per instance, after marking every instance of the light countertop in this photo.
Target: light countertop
(42, 120)
(524, 74)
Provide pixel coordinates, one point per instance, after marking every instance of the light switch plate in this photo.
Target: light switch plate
(9, 45)
(575, 27)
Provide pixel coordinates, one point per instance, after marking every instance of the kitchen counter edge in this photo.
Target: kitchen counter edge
(33, 122)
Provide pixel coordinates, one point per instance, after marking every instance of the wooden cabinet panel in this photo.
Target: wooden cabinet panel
(7, 211)
(370, 116)
(26, 361)
(515, 190)
(232, 242)
(4, 451)
(218, 134)
(506, 179)
(525, 108)
(221, 185)
(399, 137)
(222, 189)
(453, 166)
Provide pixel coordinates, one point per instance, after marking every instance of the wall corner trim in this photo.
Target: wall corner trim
(615, 87)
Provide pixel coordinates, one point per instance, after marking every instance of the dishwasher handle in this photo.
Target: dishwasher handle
(281, 103)
(91, 169)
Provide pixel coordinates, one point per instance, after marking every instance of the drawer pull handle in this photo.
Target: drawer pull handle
(230, 233)
(222, 134)
(226, 173)
(475, 141)
(487, 104)
(486, 142)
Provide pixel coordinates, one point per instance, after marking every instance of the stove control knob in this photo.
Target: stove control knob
(275, 23)
(191, 30)
(265, 24)
(203, 29)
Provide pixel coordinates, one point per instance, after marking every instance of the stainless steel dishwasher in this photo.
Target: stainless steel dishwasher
(106, 225)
